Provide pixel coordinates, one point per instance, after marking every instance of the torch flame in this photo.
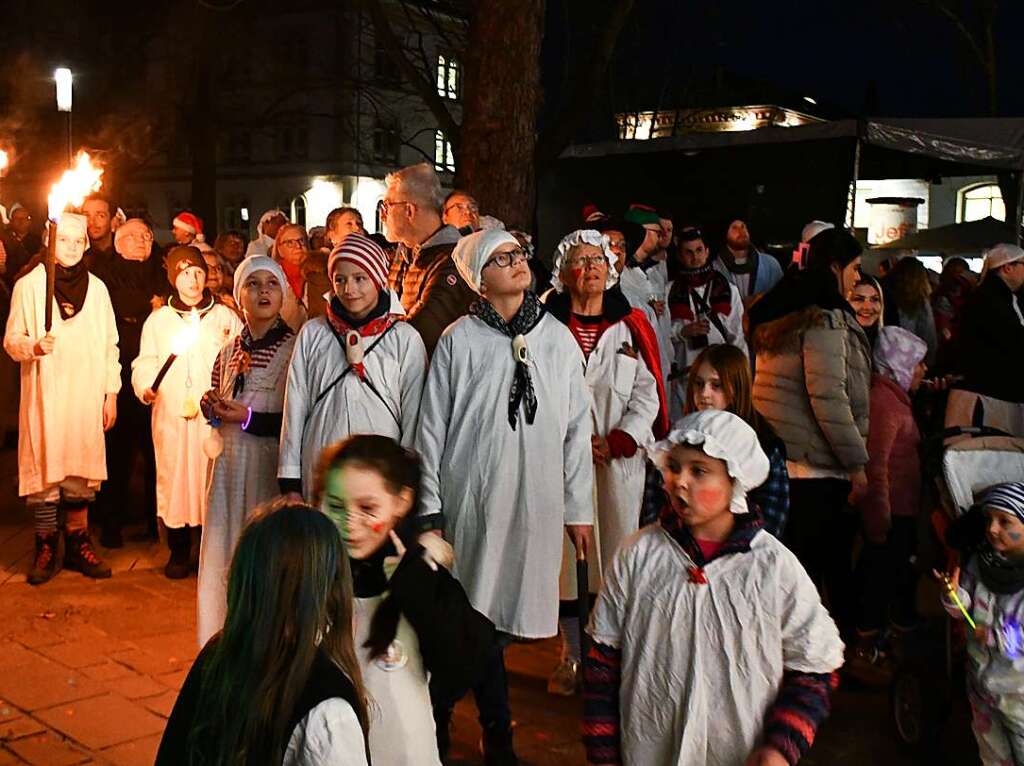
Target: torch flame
(74, 186)
(4, 160)
(187, 336)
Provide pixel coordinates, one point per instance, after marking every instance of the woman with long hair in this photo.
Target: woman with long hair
(280, 684)
(911, 292)
(868, 303)
(720, 380)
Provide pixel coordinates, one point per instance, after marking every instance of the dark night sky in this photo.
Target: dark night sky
(831, 50)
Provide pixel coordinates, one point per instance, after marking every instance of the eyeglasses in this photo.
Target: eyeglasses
(587, 260)
(143, 237)
(617, 242)
(510, 258)
(295, 242)
(464, 207)
(386, 205)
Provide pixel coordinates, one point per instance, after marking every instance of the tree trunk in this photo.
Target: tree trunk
(501, 99)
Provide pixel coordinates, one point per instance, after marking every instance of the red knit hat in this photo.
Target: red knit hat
(190, 222)
(364, 253)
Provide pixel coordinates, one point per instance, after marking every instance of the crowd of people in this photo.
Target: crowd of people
(384, 455)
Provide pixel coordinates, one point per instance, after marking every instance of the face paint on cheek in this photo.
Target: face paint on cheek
(577, 275)
(377, 526)
(1015, 536)
(710, 498)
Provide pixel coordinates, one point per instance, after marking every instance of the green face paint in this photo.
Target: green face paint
(335, 503)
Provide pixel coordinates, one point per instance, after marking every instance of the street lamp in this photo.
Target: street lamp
(62, 77)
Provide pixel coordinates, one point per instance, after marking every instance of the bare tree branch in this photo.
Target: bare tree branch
(427, 90)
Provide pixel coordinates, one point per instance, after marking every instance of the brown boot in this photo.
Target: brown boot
(49, 558)
(81, 556)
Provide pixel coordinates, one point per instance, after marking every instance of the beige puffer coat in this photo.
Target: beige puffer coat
(813, 385)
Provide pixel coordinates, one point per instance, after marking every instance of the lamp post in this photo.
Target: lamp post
(62, 77)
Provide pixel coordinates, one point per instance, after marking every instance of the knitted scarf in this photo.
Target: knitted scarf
(70, 286)
(377, 321)
(526, 319)
(729, 261)
(719, 297)
(241, 356)
(1000, 574)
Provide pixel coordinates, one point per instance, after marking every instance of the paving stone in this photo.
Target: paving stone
(75, 654)
(179, 647)
(13, 654)
(47, 750)
(163, 704)
(7, 758)
(103, 721)
(135, 686)
(150, 664)
(45, 684)
(108, 671)
(173, 680)
(141, 752)
(8, 711)
(23, 726)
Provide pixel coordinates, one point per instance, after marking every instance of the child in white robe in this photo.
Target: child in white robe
(710, 643)
(70, 376)
(193, 326)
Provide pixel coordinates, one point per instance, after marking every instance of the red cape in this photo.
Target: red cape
(647, 344)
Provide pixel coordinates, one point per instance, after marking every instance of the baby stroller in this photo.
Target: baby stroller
(982, 444)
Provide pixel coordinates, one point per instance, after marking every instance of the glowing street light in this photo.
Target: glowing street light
(63, 79)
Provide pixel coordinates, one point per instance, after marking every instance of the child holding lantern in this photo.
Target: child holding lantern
(989, 594)
(710, 643)
(61, 456)
(358, 369)
(192, 327)
(244, 406)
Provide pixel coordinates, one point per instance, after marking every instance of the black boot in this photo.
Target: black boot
(498, 749)
(81, 556)
(49, 558)
(179, 566)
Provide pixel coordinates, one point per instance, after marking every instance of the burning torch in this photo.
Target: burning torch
(71, 190)
(181, 343)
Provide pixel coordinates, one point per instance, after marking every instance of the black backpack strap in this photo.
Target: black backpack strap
(347, 370)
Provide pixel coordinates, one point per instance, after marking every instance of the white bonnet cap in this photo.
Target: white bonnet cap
(724, 436)
(584, 237)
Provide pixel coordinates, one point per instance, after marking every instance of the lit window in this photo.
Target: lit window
(444, 159)
(981, 201)
(448, 76)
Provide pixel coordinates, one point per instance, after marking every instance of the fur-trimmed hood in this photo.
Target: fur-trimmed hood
(784, 334)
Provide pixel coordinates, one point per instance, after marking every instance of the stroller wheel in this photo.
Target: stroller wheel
(916, 709)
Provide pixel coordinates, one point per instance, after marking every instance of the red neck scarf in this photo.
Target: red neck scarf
(718, 296)
(293, 272)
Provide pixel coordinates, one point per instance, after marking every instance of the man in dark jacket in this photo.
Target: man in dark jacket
(134, 275)
(992, 331)
(423, 273)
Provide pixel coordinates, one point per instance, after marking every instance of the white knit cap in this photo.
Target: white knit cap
(1002, 254)
(472, 252)
(813, 229)
(724, 436)
(584, 237)
(258, 263)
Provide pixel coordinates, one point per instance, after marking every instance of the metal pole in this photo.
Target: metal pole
(69, 138)
(851, 202)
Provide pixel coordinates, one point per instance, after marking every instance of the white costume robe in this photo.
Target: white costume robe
(703, 663)
(624, 396)
(685, 353)
(396, 367)
(638, 286)
(60, 428)
(181, 462)
(244, 476)
(506, 494)
(402, 729)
